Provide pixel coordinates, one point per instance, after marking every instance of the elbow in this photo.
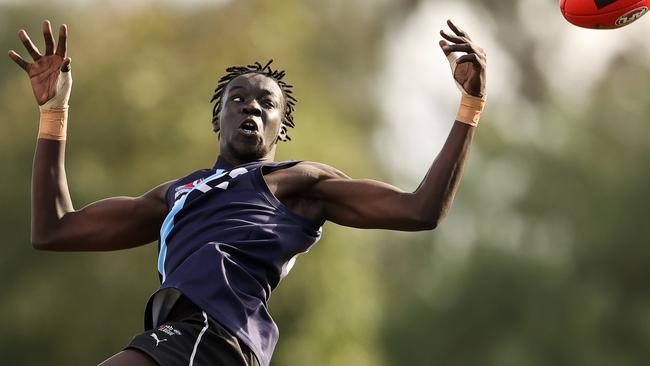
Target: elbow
(429, 221)
(40, 244)
(431, 225)
(43, 243)
(425, 215)
(425, 223)
(428, 225)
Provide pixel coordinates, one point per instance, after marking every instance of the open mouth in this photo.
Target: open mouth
(248, 127)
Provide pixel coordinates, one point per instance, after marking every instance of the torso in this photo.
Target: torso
(240, 227)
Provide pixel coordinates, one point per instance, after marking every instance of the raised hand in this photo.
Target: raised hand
(468, 69)
(44, 72)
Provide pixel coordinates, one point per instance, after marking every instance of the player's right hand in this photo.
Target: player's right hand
(50, 72)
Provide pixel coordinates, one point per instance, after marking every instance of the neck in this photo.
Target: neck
(234, 161)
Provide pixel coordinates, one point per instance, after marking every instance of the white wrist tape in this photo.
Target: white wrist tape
(62, 95)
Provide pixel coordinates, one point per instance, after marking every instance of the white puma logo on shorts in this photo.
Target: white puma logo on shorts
(155, 338)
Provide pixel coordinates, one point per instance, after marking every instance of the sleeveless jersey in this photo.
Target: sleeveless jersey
(226, 243)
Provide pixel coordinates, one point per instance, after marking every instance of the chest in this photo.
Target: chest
(290, 186)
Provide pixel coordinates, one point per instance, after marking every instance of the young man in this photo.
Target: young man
(229, 234)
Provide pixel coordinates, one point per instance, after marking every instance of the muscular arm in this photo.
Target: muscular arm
(110, 224)
(365, 203)
(372, 204)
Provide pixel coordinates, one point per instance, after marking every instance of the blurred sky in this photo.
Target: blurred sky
(417, 88)
(419, 99)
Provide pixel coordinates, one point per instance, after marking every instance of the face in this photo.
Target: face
(250, 121)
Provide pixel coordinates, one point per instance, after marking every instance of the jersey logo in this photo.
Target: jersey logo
(203, 185)
(185, 189)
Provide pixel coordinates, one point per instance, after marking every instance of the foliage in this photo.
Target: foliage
(555, 274)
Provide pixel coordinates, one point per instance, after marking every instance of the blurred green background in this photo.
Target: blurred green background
(543, 260)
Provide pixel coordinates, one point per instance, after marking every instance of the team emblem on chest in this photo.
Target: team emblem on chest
(198, 187)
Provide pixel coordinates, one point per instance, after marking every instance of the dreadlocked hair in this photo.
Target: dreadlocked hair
(257, 68)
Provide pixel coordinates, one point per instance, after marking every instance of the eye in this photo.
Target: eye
(268, 103)
(237, 99)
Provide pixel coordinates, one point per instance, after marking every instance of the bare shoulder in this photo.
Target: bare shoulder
(157, 194)
(299, 179)
(317, 171)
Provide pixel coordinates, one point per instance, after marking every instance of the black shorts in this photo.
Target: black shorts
(191, 337)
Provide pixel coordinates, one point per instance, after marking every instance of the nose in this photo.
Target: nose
(252, 108)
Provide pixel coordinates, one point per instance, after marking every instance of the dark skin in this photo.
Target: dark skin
(313, 190)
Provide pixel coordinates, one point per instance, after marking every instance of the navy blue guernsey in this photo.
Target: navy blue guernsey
(226, 243)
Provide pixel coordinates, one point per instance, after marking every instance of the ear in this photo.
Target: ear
(283, 135)
(216, 126)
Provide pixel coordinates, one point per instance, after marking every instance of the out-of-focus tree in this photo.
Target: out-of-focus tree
(543, 259)
(140, 115)
(555, 258)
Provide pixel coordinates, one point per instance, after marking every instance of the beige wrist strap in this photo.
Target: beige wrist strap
(53, 123)
(470, 110)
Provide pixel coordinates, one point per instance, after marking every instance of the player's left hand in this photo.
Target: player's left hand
(50, 72)
(468, 69)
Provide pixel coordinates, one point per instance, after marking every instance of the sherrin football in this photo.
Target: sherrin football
(603, 14)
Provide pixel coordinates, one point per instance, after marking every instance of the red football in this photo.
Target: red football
(603, 14)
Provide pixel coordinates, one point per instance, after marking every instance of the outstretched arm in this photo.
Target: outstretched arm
(372, 204)
(110, 224)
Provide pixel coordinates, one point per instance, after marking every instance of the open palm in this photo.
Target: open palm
(44, 71)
